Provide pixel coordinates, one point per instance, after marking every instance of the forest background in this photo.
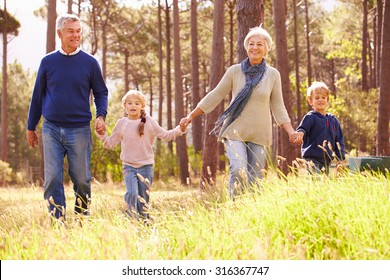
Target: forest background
(176, 51)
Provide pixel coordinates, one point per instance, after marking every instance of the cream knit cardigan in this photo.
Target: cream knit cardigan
(255, 123)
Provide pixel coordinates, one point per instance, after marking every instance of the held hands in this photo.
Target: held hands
(184, 122)
(100, 125)
(296, 138)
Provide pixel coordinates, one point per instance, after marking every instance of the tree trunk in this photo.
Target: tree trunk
(104, 51)
(364, 48)
(168, 78)
(296, 62)
(160, 65)
(126, 70)
(374, 53)
(160, 80)
(231, 5)
(4, 104)
(379, 14)
(249, 14)
(70, 4)
(181, 145)
(279, 11)
(308, 52)
(383, 146)
(51, 26)
(196, 123)
(210, 147)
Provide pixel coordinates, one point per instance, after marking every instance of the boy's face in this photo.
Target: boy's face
(319, 102)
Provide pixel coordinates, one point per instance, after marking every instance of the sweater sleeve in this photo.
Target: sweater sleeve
(35, 110)
(160, 132)
(278, 108)
(215, 97)
(100, 91)
(109, 142)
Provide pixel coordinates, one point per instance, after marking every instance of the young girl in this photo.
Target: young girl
(136, 132)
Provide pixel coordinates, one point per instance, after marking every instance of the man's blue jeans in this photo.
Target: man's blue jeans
(75, 143)
(138, 182)
(247, 160)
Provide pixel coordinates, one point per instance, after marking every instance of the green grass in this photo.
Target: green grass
(301, 218)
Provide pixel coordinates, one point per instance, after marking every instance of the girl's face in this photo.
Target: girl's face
(133, 107)
(257, 49)
(319, 102)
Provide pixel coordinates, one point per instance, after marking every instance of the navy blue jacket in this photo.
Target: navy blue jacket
(62, 89)
(318, 128)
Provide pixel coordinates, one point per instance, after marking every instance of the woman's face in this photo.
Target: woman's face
(257, 49)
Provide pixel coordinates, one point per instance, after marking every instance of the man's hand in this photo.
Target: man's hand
(32, 138)
(100, 125)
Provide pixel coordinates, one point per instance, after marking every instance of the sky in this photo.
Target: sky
(29, 46)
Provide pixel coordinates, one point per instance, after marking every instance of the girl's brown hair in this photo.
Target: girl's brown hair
(140, 97)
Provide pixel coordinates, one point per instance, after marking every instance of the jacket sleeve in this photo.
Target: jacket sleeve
(109, 142)
(340, 150)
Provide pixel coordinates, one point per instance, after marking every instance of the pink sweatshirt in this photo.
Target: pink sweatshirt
(137, 150)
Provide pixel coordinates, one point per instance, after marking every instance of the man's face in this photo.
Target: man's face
(70, 35)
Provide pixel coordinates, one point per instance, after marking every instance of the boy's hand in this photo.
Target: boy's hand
(296, 138)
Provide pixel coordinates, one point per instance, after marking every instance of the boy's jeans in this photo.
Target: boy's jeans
(246, 163)
(138, 182)
(75, 143)
(317, 167)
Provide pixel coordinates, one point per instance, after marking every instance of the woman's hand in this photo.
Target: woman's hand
(184, 122)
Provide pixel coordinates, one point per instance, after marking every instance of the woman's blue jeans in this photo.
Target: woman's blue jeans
(138, 182)
(75, 143)
(247, 160)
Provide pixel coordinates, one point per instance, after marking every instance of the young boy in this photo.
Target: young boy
(319, 132)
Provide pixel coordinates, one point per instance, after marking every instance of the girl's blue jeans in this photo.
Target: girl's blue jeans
(75, 143)
(138, 182)
(246, 162)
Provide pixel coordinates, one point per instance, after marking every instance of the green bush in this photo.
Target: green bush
(5, 173)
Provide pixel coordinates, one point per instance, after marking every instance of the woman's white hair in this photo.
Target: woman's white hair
(259, 31)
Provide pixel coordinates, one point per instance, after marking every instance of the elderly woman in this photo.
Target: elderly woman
(245, 126)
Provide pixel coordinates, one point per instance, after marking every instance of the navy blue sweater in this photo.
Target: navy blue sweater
(318, 128)
(62, 89)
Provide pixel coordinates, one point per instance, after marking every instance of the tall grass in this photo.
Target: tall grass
(303, 218)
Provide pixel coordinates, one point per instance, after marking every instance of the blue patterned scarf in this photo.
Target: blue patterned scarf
(253, 76)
